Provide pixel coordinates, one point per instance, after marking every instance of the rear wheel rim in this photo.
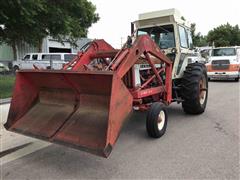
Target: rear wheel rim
(203, 91)
(161, 120)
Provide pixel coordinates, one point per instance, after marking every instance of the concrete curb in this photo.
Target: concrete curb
(5, 101)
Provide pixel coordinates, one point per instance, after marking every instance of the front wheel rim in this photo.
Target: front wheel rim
(161, 120)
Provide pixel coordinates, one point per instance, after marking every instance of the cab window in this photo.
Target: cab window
(183, 37)
(166, 40)
(142, 32)
(162, 35)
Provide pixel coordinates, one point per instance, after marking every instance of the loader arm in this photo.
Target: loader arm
(95, 49)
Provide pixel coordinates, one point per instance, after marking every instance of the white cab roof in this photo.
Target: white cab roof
(163, 16)
(161, 13)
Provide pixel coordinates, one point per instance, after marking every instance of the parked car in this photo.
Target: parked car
(196, 57)
(43, 61)
(3, 68)
(224, 63)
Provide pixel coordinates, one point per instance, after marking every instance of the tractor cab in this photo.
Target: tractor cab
(170, 32)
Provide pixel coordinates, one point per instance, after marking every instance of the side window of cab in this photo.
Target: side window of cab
(183, 37)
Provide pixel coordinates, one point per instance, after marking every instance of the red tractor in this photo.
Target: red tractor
(85, 104)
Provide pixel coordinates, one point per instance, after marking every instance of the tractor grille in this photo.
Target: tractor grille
(220, 64)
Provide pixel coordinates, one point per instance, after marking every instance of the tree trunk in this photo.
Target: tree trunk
(14, 48)
(40, 45)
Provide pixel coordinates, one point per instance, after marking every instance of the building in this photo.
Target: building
(49, 45)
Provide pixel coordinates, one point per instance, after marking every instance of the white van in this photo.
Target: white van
(224, 63)
(43, 60)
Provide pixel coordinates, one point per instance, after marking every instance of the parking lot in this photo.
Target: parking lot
(194, 147)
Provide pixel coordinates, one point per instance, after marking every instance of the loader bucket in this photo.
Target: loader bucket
(84, 110)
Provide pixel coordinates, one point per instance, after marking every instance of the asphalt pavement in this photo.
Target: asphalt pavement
(194, 147)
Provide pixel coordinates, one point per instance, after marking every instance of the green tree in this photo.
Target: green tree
(224, 35)
(198, 39)
(31, 20)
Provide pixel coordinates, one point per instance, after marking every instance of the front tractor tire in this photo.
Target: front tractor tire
(194, 88)
(157, 118)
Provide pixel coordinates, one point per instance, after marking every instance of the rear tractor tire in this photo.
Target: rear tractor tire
(194, 88)
(157, 118)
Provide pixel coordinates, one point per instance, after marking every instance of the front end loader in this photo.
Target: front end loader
(85, 104)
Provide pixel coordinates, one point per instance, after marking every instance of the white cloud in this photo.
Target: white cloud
(116, 15)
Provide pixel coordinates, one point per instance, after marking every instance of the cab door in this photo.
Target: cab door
(184, 50)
